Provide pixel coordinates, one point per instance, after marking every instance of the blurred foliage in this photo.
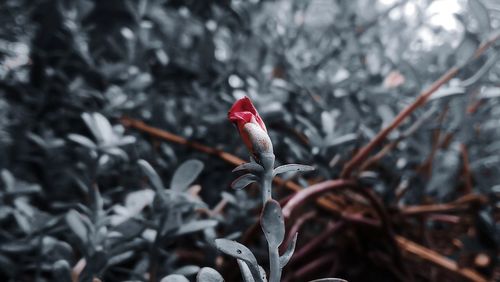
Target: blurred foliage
(325, 75)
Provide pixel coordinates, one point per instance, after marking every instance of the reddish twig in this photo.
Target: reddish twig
(438, 208)
(388, 147)
(314, 191)
(446, 218)
(456, 206)
(437, 259)
(357, 219)
(180, 140)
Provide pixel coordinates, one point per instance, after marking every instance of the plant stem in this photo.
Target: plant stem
(266, 187)
(267, 161)
(274, 265)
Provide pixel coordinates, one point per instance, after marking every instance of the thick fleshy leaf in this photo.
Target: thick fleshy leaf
(115, 151)
(245, 271)
(174, 278)
(8, 180)
(185, 174)
(287, 255)
(153, 177)
(243, 181)
(239, 251)
(119, 258)
(89, 121)
(341, 140)
(82, 140)
(77, 225)
(292, 167)
(194, 226)
(250, 167)
(208, 274)
(236, 250)
(103, 127)
(187, 270)
(262, 272)
(272, 223)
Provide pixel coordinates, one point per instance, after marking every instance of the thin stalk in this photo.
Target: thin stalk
(266, 182)
(274, 265)
(267, 161)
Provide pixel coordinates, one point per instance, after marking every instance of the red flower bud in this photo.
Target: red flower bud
(251, 127)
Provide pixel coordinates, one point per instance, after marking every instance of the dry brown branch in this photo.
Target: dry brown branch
(429, 255)
(460, 204)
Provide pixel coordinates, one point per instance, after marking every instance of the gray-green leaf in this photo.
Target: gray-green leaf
(208, 274)
(292, 167)
(239, 251)
(272, 223)
(285, 258)
(82, 140)
(174, 278)
(243, 181)
(187, 270)
(251, 167)
(185, 174)
(76, 224)
(153, 177)
(245, 271)
(195, 226)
